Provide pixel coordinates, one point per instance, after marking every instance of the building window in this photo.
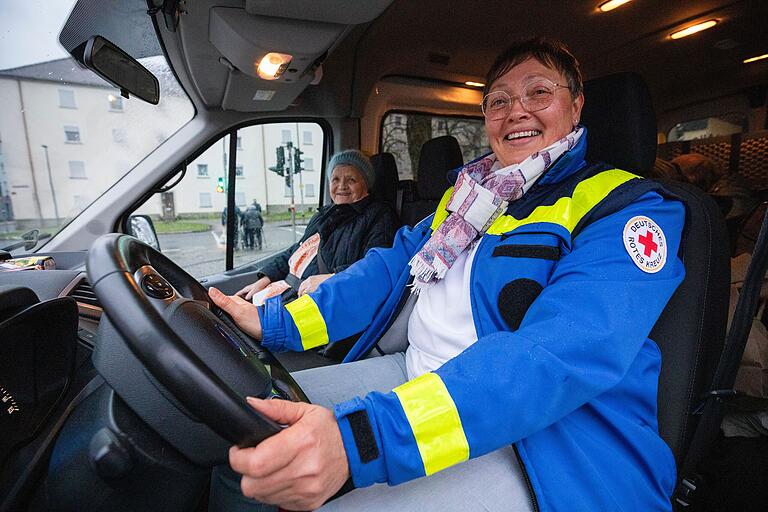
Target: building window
(286, 136)
(238, 171)
(307, 138)
(309, 189)
(239, 198)
(239, 142)
(118, 135)
(205, 200)
(202, 170)
(72, 134)
(309, 164)
(67, 98)
(115, 103)
(77, 170)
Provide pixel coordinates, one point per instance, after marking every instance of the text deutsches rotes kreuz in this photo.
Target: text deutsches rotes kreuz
(645, 243)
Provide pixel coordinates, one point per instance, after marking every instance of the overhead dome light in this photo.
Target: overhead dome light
(474, 84)
(272, 65)
(612, 4)
(755, 59)
(693, 29)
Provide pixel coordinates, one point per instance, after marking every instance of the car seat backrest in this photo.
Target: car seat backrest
(620, 121)
(438, 156)
(385, 169)
(691, 331)
(621, 129)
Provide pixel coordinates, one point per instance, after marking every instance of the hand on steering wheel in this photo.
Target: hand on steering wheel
(244, 313)
(300, 467)
(193, 349)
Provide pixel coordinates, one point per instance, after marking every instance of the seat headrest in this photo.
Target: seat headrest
(438, 156)
(385, 169)
(620, 121)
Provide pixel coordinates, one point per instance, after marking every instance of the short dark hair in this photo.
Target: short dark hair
(550, 52)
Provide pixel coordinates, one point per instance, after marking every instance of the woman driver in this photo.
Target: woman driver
(529, 381)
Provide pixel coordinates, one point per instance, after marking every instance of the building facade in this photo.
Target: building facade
(66, 136)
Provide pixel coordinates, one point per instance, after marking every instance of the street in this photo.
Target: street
(202, 254)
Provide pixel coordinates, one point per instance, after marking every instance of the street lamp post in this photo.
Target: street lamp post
(50, 182)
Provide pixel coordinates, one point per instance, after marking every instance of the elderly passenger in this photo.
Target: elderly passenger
(336, 236)
(526, 380)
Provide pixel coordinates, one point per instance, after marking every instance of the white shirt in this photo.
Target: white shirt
(440, 326)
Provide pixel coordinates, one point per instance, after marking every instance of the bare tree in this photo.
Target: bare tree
(419, 131)
(394, 140)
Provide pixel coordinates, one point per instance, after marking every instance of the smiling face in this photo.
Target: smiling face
(520, 134)
(347, 185)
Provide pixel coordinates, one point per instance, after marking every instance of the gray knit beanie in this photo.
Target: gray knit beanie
(356, 159)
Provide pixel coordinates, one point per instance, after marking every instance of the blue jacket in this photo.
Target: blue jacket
(563, 367)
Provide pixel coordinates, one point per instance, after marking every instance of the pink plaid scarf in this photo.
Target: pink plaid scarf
(482, 193)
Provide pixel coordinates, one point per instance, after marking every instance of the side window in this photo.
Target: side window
(190, 219)
(403, 134)
(727, 124)
(274, 158)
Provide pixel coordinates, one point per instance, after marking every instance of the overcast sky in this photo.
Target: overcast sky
(29, 31)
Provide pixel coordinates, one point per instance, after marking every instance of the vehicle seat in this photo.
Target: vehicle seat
(621, 127)
(387, 179)
(406, 193)
(438, 156)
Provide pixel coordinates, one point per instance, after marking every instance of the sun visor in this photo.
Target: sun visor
(330, 11)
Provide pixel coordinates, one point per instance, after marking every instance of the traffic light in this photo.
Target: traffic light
(279, 169)
(220, 185)
(288, 180)
(297, 161)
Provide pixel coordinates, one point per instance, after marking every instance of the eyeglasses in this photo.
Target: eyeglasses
(536, 96)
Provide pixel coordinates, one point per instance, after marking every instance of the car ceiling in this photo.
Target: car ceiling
(457, 40)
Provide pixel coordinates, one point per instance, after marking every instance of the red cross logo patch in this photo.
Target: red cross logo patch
(645, 243)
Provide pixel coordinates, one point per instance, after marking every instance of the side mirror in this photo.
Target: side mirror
(141, 227)
(30, 239)
(121, 70)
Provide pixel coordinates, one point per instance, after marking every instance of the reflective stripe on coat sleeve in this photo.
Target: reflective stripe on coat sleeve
(309, 322)
(435, 422)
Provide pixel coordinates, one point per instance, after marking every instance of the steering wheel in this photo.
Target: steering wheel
(186, 342)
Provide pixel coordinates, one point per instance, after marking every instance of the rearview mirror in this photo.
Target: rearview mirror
(121, 70)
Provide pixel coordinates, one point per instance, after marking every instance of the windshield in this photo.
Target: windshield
(66, 135)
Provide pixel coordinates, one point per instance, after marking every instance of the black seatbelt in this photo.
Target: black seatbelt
(711, 410)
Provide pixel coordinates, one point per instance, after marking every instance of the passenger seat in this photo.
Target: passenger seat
(386, 187)
(438, 156)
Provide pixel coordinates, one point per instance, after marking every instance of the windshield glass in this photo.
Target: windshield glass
(66, 135)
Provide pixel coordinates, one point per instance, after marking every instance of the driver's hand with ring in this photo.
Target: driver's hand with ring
(303, 465)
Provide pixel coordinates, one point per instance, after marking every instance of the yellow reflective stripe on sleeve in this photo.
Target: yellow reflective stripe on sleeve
(434, 421)
(441, 213)
(568, 211)
(306, 315)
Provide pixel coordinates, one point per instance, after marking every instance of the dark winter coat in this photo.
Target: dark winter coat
(252, 218)
(347, 231)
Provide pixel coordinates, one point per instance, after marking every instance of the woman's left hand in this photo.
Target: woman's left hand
(311, 283)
